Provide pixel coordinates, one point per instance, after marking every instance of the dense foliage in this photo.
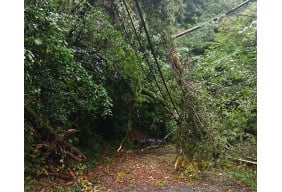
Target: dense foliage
(79, 73)
(224, 73)
(96, 71)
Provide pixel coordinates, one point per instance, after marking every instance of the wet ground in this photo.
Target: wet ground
(153, 170)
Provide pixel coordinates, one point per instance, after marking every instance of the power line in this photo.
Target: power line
(154, 55)
(139, 41)
(131, 21)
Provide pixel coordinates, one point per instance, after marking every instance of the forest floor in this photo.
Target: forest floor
(150, 170)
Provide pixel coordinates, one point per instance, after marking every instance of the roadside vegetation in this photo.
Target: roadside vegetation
(103, 77)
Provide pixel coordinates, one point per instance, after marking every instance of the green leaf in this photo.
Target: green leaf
(37, 42)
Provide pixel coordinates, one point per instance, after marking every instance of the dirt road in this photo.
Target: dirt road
(153, 170)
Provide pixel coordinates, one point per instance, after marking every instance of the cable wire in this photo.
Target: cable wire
(154, 55)
(139, 41)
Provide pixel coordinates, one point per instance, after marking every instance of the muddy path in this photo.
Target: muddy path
(153, 170)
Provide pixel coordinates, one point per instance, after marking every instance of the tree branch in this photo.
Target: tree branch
(245, 161)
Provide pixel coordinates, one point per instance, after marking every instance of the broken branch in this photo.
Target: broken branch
(245, 161)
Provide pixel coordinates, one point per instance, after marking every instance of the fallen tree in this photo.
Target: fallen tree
(54, 148)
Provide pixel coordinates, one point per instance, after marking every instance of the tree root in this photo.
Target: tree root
(53, 146)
